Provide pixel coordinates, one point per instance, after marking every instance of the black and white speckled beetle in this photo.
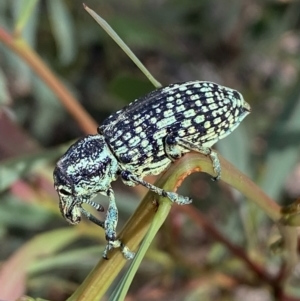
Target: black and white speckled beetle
(142, 139)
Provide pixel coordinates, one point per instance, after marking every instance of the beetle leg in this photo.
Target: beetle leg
(110, 226)
(172, 150)
(175, 146)
(118, 244)
(172, 196)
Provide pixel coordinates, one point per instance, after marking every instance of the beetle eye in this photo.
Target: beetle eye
(64, 192)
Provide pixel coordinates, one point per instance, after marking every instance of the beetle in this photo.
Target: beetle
(141, 139)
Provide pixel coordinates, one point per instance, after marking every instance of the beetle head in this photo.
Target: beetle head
(87, 168)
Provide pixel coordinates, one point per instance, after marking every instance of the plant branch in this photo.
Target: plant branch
(200, 219)
(98, 281)
(22, 49)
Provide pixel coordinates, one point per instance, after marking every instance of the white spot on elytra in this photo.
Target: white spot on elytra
(195, 97)
(153, 120)
(198, 103)
(180, 108)
(144, 143)
(207, 124)
(191, 130)
(199, 119)
(179, 101)
(119, 143)
(127, 136)
(186, 123)
(138, 129)
(168, 113)
(210, 100)
(204, 89)
(213, 106)
(134, 141)
(181, 133)
(165, 122)
(148, 148)
(160, 134)
(189, 113)
(217, 120)
(143, 135)
(136, 116)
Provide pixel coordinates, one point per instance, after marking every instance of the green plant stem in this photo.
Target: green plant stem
(158, 219)
(98, 281)
(22, 49)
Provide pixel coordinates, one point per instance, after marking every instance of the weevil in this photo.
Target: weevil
(141, 139)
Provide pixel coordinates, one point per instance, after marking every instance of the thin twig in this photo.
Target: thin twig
(22, 49)
(213, 232)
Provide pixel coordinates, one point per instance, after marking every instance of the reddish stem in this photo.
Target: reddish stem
(19, 46)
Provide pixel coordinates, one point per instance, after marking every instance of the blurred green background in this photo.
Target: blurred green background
(251, 46)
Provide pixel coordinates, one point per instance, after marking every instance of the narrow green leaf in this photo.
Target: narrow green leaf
(63, 30)
(24, 14)
(235, 148)
(13, 271)
(68, 259)
(123, 46)
(284, 147)
(4, 94)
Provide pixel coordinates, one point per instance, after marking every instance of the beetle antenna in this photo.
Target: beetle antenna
(92, 218)
(97, 206)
